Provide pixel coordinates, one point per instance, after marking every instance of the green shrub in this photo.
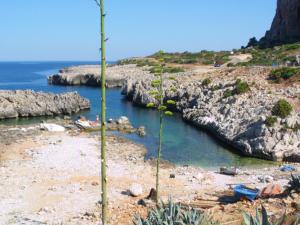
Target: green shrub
(228, 93)
(172, 213)
(156, 69)
(206, 81)
(241, 87)
(263, 219)
(294, 184)
(282, 108)
(270, 121)
(238, 81)
(283, 74)
(173, 70)
(203, 57)
(217, 87)
(141, 63)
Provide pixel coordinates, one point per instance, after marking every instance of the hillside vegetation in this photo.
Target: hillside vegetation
(278, 55)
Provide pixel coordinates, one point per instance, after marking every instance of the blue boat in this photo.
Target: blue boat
(244, 192)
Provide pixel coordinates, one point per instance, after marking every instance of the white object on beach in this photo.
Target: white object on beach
(136, 190)
(83, 124)
(52, 127)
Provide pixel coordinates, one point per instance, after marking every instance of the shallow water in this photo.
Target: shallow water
(183, 144)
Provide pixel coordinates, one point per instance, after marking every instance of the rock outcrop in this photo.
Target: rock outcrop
(239, 120)
(28, 103)
(286, 24)
(90, 75)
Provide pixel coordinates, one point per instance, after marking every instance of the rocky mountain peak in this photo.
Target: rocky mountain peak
(286, 24)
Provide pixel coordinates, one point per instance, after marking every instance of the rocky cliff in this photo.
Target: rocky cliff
(238, 120)
(28, 103)
(286, 24)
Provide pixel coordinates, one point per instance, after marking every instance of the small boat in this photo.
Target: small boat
(229, 171)
(244, 192)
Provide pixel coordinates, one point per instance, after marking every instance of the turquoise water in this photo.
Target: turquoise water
(183, 144)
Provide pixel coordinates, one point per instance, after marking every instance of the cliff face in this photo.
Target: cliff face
(286, 24)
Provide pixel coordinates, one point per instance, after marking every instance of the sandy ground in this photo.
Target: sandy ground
(54, 179)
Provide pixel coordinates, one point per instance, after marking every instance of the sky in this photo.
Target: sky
(60, 30)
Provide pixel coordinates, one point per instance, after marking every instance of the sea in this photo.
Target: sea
(183, 144)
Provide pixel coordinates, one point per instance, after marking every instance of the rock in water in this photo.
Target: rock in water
(136, 190)
(123, 120)
(286, 24)
(141, 131)
(28, 103)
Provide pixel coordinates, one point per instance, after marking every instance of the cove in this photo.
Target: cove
(183, 143)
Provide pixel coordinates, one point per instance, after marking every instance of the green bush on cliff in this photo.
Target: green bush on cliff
(282, 108)
(277, 55)
(228, 93)
(283, 73)
(203, 57)
(206, 81)
(270, 121)
(173, 70)
(156, 69)
(241, 87)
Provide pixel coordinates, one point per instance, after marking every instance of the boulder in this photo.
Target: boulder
(141, 131)
(52, 127)
(123, 120)
(136, 190)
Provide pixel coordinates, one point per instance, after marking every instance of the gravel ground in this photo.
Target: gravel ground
(53, 178)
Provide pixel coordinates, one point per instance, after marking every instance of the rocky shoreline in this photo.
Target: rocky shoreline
(89, 75)
(238, 120)
(27, 103)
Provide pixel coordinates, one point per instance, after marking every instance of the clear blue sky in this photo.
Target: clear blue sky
(68, 29)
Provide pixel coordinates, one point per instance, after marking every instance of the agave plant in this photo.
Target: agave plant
(263, 219)
(173, 214)
(294, 184)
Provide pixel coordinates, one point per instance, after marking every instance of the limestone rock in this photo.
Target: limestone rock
(123, 120)
(90, 75)
(52, 127)
(286, 24)
(136, 190)
(141, 131)
(27, 103)
(238, 120)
